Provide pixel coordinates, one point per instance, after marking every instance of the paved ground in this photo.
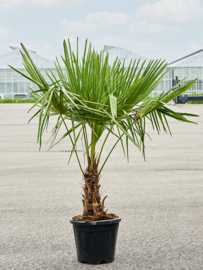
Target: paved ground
(160, 201)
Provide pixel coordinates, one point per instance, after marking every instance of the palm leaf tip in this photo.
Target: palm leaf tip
(96, 96)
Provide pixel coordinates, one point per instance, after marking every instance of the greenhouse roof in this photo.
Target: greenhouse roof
(192, 60)
(108, 48)
(14, 59)
(122, 54)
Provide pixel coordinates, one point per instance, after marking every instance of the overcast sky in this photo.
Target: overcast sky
(167, 29)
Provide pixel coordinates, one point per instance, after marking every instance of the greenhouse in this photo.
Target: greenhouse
(190, 67)
(127, 55)
(123, 54)
(11, 82)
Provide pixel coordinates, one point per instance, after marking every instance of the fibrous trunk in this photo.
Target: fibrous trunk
(93, 206)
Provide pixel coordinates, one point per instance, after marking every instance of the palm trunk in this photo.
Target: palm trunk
(91, 199)
(93, 206)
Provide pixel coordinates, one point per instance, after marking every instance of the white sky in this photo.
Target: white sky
(167, 29)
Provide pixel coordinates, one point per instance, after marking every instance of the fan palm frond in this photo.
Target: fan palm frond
(92, 94)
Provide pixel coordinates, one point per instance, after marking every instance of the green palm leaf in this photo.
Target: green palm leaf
(94, 95)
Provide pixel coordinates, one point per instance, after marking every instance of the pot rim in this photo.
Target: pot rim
(93, 223)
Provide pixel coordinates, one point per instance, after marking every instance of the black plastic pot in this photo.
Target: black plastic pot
(96, 241)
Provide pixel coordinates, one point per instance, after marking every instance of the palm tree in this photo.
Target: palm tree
(106, 99)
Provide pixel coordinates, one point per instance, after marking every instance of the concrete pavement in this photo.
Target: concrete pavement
(160, 201)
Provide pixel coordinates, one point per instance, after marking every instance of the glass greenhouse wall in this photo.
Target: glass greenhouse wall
(189, 73)
(11, 82)
(165, 85)
(190, 67)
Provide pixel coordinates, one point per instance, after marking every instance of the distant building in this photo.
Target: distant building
(190, 67)
(11, 82)
(123, 54)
